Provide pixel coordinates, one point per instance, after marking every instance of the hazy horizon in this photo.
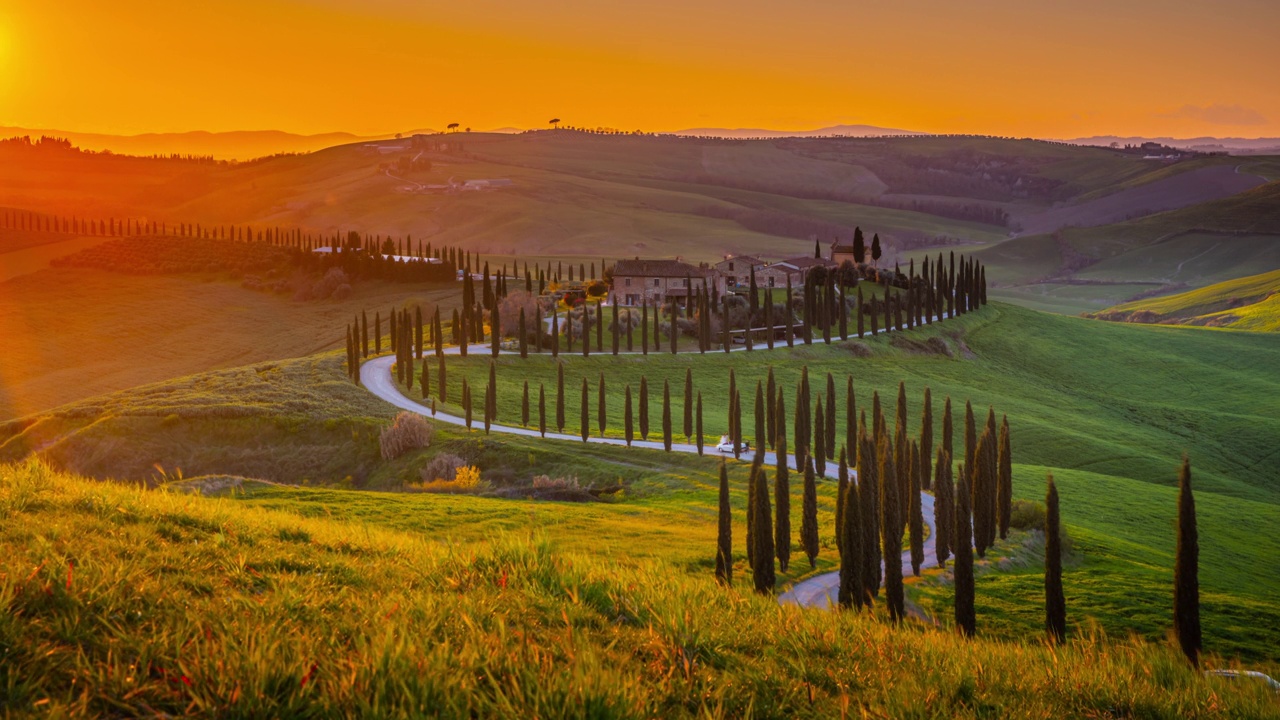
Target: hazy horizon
(1017, 69)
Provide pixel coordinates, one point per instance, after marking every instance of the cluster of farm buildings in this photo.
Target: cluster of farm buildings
(640, 280)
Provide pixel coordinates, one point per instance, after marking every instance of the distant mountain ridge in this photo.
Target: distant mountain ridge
(839, 130)
(232, 145)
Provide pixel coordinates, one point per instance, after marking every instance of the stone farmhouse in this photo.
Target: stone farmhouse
(656, 281)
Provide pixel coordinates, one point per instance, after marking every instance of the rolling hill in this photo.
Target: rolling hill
(1249, 303)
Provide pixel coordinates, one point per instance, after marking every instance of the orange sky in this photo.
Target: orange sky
(1045, 69)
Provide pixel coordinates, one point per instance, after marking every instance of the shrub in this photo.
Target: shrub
(442, 467)
(467, 478)
(1027, 515)
(543, 482)
(408, 432)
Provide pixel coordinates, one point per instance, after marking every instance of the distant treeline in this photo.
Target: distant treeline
(47, 145)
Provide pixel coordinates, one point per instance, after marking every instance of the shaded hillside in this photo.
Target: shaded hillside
(572, 193)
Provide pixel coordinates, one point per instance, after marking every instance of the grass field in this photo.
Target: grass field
(72, 334)
(1247, 303)
(1187, 248)
(213, 607)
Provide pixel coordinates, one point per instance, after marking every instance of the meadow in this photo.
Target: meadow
(208, 607)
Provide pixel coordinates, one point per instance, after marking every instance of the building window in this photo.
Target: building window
(730, 267)
(657, 282)
(627, 282)
(771, 281)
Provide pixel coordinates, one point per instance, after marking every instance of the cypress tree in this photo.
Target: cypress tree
(891, 532)
(780, 443)
(627, 428)
(963, 572)
(495, 332)
(1004, 480)
(584, 421)
(770, 408)
(1055, 603)
(809, 517)
(688, 404)
(643, 410)
(820, 438)
(601, 416)
(782, 502)
(917, 517)
(850, 419)
(600, 329)
(542, 410)
(644, 326)
(614, 310)
(943, 510)
(850, 528)
(425, 381)
(444, 388)
(488, 407)
(1186, 571)
(560, 409)
(763, 569)
(830, 437)
(493, 392)
(869, 490)
(437, 333)
(524, 405)
(666, 415)
(555, 333)
(724, 535)
(697, 432)
(758, 415)
(926, 440)
(524, 336)
(983, 489)
(751, 519)
(466, 401)
(842, 484)
(970, 439)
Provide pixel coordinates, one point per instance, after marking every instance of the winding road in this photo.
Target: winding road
(818, 591)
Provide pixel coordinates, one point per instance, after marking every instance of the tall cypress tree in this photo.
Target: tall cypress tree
(809, 517)
(688, 404)
(842, 484)
(1055, 603)
(782, 501)
(1186, 571)
(584, 421)
(943, 512)
(852, 591)
(627, 428)
(425, 381)
(819, 438)
(762, 525)
(466, 402)
(643, 408)
(926, 440)
(917, 517)
(697, 431)
(869, 489)
(542, 410)
(771, 408)
(442, 384)
(830, 437)
(560, 409)
(983, 480)
(1004, 481)
(963, 572)
(666, 415)
(724, 535)
(891, 532)
(524, 405)
(601, 414)
(850, 419)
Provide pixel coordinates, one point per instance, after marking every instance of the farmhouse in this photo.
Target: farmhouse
(654, 281)
(841, 252)
(736, 269)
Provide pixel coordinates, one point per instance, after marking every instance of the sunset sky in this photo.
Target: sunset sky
(1015, 67)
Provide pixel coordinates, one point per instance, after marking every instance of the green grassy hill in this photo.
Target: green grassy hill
(1249, 303)
(1089, 269)
(1109, 408)
(122, 601)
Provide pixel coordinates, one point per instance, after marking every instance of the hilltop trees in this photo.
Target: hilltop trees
(1186, 571)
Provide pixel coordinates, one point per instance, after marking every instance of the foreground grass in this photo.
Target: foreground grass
(126, 601)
